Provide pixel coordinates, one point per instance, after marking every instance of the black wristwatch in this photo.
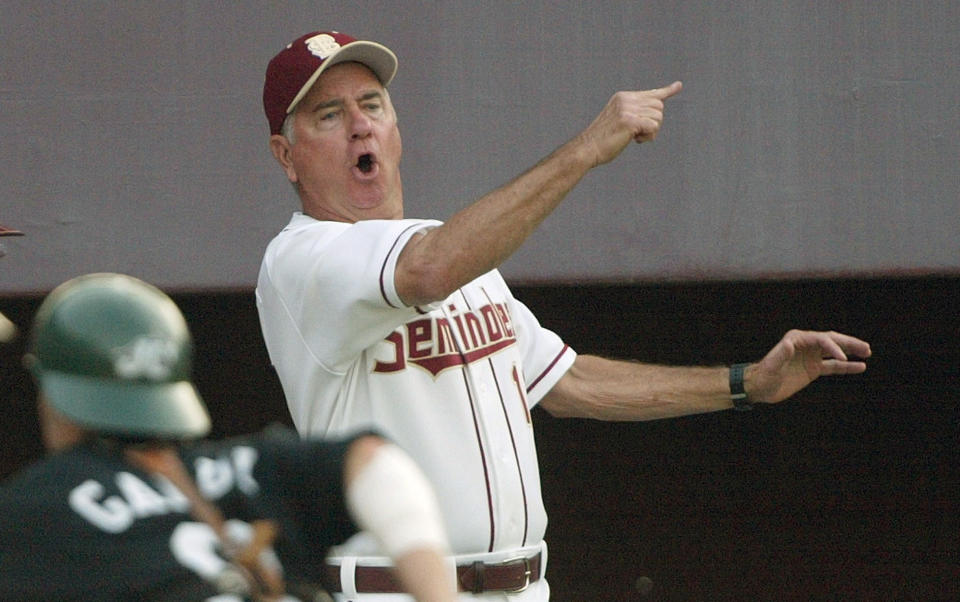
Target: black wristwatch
(737, 394)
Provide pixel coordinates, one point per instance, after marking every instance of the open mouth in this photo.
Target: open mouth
(365, 163)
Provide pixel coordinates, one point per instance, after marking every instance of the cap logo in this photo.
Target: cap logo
(322, 46)
(150, 358)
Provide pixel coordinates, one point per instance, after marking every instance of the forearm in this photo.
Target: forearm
(606, 389)
(483, 235)
(425, 575)
(390, 497)
(595, 387)
(500, 221)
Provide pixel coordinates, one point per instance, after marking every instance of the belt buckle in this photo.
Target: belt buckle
(526, 574)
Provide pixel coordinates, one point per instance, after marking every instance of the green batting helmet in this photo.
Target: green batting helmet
(113, 354)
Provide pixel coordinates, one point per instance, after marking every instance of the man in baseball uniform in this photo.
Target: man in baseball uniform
(406, 325)
(131, 505)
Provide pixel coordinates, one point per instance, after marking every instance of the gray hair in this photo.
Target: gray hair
(286, 130)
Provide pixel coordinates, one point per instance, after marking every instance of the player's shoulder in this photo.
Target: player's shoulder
(301, 225)
(276, 439)
(48, 479)
(276, 457)
(305, 240)
(213, 448)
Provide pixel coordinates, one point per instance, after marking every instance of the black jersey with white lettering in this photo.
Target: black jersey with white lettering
(86, 525)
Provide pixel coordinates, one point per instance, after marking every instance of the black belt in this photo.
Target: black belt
(512, 575)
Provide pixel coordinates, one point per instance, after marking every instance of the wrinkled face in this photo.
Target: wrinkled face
(345, 158)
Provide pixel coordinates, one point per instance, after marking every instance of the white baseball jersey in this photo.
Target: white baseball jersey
(452, 383)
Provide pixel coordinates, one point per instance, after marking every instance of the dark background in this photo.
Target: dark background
(850, 491)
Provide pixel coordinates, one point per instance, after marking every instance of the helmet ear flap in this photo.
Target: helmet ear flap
(114, 354)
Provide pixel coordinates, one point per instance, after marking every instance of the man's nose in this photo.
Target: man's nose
(360, 124)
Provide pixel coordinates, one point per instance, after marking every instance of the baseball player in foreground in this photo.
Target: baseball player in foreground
(406, 325)
(130, 505)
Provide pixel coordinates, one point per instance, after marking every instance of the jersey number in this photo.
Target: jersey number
(196, 546)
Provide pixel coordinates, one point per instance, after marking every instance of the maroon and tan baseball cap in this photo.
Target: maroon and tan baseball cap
(296, 68)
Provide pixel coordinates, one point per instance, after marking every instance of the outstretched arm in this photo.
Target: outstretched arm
(389, 496)
(482, 236)
(605, 389)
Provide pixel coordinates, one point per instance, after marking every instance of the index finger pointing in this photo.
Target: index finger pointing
(667, 91)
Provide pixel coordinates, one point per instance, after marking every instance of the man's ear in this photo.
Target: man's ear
(58, 431)
(280, 147)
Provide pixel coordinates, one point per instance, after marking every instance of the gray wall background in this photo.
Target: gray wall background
(812, 138)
